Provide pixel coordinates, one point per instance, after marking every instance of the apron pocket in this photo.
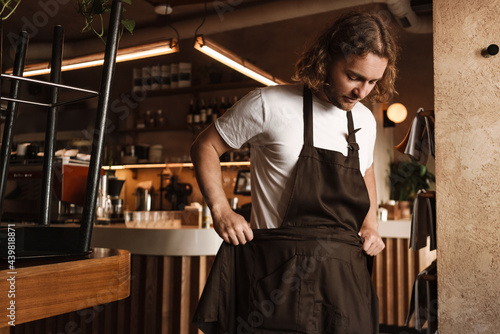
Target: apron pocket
(280, 297)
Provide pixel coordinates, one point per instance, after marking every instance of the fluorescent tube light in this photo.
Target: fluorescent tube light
(233, 61)
(132, 53)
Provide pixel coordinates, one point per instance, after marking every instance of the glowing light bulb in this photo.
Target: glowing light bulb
(397, 112)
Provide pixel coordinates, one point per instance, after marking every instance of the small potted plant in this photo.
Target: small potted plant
(406, 178)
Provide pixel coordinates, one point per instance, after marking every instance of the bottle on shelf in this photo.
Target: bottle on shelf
(159, 120)
(191, 112)
(196, 115)
(165, 76)
(235, 99)
(174, 75)
(215, 111)
(203, 112)
(206, 217)
(222, 106)
(228, 104)
(156, 77)
(210, 110)
(184, 74)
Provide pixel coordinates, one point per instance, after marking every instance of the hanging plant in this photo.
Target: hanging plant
(8, 7)
(89, 9)
(93, 10)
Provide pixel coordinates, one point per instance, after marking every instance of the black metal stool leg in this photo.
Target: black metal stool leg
(11, 114)
(88, 215)
(50, 131)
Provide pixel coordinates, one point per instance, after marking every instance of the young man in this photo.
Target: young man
(312, 185)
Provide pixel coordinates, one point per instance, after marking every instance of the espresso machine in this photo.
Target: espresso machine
(23, 187)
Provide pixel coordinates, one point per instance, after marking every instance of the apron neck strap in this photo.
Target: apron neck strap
(352, 145)
(308, 122)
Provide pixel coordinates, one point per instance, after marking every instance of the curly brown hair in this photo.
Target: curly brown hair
(355, 33)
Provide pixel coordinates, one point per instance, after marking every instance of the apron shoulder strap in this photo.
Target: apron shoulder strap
(308, 121)
(352, 145)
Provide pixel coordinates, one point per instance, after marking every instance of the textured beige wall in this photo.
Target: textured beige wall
(467, 103)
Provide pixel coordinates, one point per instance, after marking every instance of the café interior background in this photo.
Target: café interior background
(467, 228)
(270, 39)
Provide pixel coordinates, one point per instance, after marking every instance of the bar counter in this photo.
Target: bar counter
(184, 241)
(169, 268)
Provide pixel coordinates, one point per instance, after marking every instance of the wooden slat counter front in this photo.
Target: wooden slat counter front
(169, 268)
(395, 270)
(49, 287)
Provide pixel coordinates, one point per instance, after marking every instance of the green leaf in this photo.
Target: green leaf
(423, 170)
(129, 24)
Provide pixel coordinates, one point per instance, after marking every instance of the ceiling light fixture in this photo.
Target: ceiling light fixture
(233, 61)
(163, 9)
(127, 54)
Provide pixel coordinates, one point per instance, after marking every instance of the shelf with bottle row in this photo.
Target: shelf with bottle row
(172, 165)
(194, 123)
(203, 88)
(153, 129)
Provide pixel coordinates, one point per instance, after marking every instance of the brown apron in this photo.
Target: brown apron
(310, 275)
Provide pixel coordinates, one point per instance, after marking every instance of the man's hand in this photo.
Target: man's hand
(372, 242)
(232, 227)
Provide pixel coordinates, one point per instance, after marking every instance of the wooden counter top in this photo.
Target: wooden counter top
(44, 288)
(395, 228)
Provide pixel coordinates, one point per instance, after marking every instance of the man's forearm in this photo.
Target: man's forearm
(371, 220)
(205, 158)
(205, 153)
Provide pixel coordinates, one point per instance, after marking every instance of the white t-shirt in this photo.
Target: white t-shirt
(271, 120)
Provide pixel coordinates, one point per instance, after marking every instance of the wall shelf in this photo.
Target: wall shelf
(146, 130)
(203, 88)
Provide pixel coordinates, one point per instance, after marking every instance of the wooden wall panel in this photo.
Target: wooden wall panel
(395, 270)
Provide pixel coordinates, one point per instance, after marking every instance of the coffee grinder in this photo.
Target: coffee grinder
(114, 189)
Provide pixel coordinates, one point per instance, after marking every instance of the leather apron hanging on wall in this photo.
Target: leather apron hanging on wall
(310, 275)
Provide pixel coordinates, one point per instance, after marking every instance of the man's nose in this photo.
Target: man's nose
(362, 90)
